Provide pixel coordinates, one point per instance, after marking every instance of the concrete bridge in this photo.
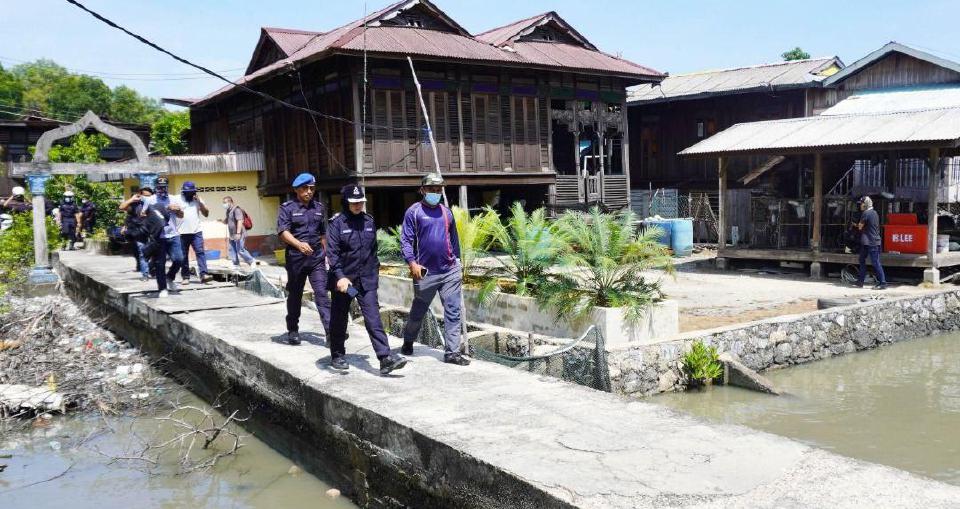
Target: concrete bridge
(483, 436)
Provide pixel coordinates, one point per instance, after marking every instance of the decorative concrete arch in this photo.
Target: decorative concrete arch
(89, 119)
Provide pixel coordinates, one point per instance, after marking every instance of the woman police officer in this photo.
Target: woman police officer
(352, 254)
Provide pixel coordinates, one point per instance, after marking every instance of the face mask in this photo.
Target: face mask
(68, 199)
(432, 199)
(188, 196)
(226, 206)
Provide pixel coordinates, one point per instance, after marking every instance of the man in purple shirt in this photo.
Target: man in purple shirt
(432, 250)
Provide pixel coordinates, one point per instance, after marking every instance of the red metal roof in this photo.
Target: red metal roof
(288, 40)
(457, 44)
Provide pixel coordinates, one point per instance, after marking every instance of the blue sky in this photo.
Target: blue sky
(672, 36)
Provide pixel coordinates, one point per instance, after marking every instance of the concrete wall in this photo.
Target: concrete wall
(242, 186)
(523, 314)
(788, 340)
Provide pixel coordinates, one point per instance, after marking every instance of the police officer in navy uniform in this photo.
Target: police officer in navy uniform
(301, 225)
(69, 218)
(354, 266)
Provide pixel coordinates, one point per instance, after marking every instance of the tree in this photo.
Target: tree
(795, 54)
(83, 148)
(76, 94)
(11, 94)
(128, 106)
(48, 89)
(168, 133)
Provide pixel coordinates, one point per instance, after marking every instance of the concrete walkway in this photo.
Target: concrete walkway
(482, 436)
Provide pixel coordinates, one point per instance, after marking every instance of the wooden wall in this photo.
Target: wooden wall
(486, 121)
(659, 131)
(894, 70)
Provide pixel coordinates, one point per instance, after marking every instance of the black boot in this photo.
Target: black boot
(407, 348)
(339, 362)
(293, 338)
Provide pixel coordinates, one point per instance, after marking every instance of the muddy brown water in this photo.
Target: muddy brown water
(898, 405)
(59, 465)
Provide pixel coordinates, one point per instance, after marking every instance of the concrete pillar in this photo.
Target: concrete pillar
(41, 278)
(722, 220)
(932, 276)
(816, 270)
(932, 208)
(723, 264)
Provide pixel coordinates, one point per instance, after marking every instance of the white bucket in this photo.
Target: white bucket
(943, 243)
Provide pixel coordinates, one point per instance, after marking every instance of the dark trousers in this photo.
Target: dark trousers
(194, 240)
(874, 253)
(449, 285)
(299, 269)
(370, 307)
(68, 230)
(169, 248)
(142, 264)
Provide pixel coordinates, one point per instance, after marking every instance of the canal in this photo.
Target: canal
(898, 405)
(69, 462)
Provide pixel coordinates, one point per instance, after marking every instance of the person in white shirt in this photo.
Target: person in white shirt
(189, 229)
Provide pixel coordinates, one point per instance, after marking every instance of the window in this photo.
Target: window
(701, 131)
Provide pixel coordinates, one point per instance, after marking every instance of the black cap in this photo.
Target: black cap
(353, 193)
(163, 182)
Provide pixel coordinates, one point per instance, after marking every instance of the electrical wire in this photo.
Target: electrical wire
(123, 74)
(208, 71)
(24, 113)
(317, 126)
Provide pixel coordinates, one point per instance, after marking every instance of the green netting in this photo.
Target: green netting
(581, 361)
(257, 283)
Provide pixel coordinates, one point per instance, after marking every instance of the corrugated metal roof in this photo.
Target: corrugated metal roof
(289, 40)
(885, 50)
(780, 75)
(502, 35)
(901, 99)
(459, 45)
(835, 133)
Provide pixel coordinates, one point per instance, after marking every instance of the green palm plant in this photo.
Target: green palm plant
(475, 234)
(388, 244)
(531, 246)
(604, 265)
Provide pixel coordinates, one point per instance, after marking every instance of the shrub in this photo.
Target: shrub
(388, 244)
(16, 248)
(531, 245)
(603, 264)
(702, 363)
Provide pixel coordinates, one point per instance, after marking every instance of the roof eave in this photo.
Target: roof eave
(710, 95)
(829, 149)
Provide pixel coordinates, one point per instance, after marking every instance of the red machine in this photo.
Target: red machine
(901, 219)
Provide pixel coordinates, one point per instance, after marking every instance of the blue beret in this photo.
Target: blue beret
(304, 179)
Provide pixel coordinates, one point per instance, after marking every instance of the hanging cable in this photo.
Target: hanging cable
(317, 126)
(208, 71)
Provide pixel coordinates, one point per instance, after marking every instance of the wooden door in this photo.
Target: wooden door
(487, 149)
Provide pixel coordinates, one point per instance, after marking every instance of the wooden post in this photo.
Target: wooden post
(461, 147)
(932, 207)
(815, 242)
(462, 199)
(358, 130)
(722, 220)
(625, 147)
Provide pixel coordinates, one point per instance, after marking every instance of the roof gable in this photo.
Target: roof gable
(546, 27)
(882, 53)
(421, 14)
(276, 44)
